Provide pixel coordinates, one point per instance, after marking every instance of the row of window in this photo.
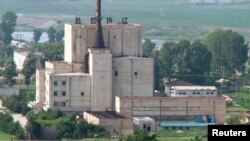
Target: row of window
(194, 93)
(64, 93)
(59, 104)
(56, 83)
(116, 73)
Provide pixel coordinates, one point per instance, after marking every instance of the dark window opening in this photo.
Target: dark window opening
(187, 128)
(63, 93)
(82, 93)
(173, 128)
(180, 128)
(55, 83)
(116, 73)
(64, 83)
(136, 73)
(63, 104)
(55, 93)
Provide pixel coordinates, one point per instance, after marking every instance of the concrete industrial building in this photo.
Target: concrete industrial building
(116, 123)
(91, 75)
(104, 70)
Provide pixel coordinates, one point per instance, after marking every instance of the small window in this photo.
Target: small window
(63, 93)
(194, 92)
(55, 83)
(187, 128)
(82, 93)
(55, 93)
(198, 93)
(207, 92)
(63, 104)
(180, 128)
(63, 83)
(173, 128)
(116, 73)
(184, 93)
(136, 73)
(180, 93)
(212, 92)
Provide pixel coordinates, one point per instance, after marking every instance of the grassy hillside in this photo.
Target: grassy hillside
(166, 19)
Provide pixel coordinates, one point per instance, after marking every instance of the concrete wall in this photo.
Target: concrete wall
(100, 68)
(72, 92)
(121, 126)
(121, 39)
(40, 86)
(133, 76)
(168, 106)
(63, 67)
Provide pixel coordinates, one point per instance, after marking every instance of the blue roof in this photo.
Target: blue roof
(184, 124)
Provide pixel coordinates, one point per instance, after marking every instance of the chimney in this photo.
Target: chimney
(99, 42)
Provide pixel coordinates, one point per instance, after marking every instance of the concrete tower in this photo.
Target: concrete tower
(100, 68)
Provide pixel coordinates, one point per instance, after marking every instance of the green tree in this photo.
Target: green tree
(29, 67)
(148, 47)
(33, 128)
(234, 120)
(140, 136)
(65, 129)
(229, 52)
(59, 35)
(9, 71)
(37, 33)
(167, 60)
(52, 51)
(196, 63)
(52, 34)
(7, 27)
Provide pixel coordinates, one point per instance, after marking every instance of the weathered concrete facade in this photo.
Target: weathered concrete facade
(90, 74)
(133, 76)
(114, 123)
(100, 69)
(160, 107)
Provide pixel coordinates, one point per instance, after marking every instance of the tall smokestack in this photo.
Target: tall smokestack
(99, 42)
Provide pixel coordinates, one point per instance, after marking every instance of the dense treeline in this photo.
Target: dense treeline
(66, 126)
(18, 103)
(222, 55)
(7, 125)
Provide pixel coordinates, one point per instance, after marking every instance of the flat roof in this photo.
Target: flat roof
(168, 97)
(194, 88)
(23, 53)
(106, 114)
(179, 83)
(184, 124)
(71, 74)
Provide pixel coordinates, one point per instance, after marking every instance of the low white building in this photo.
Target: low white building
(19, 58)
(144, 123)
(193, 91)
